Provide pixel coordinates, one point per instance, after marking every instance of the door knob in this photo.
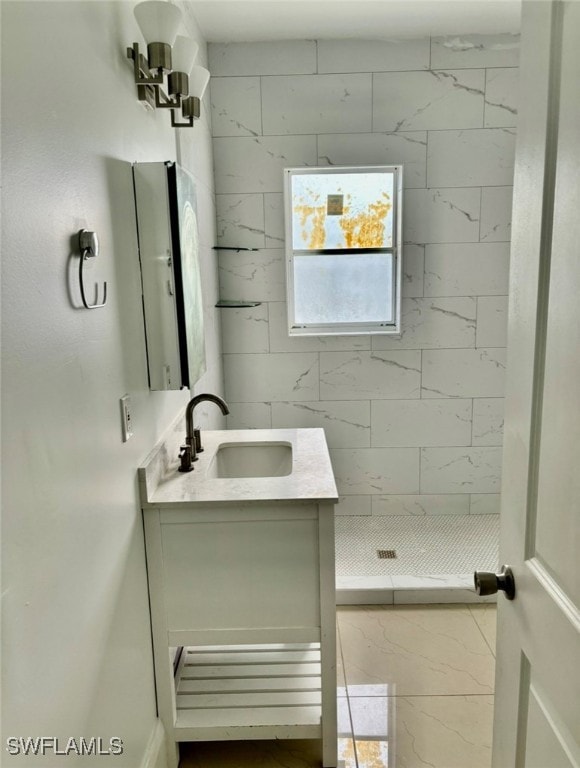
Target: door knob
(487, 583)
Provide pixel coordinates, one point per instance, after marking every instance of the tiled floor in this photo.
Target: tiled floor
(415, 690)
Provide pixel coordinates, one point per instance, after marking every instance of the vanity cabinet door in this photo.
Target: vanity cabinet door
(251, 569)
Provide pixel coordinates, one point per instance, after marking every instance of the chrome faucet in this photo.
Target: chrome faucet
(189, 451)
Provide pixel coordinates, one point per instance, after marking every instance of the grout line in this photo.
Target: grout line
(352, 736)
(484, 96)
(472, 409)
(480, 629)
(267, 304)
(420, 468)
(427, 160)
(261, 109)
(372, 102)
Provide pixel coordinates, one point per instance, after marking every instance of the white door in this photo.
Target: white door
(537, 714)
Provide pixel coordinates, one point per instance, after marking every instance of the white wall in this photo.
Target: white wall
(414, 425)
(76, 638)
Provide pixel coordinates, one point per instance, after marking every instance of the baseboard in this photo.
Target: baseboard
(155, 753)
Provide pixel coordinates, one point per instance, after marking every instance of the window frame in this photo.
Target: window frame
(352, 328)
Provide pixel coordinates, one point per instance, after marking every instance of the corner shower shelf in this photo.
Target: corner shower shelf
(233, 304)
(235, 248)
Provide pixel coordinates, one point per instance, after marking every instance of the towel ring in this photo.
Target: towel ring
(89, 247)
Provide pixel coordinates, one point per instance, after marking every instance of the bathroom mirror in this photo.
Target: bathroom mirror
(165, 203)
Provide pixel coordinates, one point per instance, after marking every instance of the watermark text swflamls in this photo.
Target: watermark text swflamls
(52, 745)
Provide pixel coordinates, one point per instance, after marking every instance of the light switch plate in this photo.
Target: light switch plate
(126, 422)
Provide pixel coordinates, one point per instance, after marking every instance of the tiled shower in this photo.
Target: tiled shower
(414, 424)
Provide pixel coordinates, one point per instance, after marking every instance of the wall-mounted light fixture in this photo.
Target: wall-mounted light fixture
(171, 56)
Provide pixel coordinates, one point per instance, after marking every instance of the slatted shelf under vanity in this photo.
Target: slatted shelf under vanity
(249, 691)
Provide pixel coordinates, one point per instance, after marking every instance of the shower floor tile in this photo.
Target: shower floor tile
(435, 557)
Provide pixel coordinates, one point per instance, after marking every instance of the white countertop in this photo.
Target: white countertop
(311, 478)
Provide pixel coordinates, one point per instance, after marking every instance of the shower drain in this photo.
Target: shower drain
(387, 554)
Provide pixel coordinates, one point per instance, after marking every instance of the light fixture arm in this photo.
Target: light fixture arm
(163, 101)
(190, 110)
(175, 124)
(178, 86)
(142, 74)
(170, 59)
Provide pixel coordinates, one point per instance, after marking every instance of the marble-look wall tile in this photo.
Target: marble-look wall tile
(467, 269)
(496, 214)
(376, 470)
(407, 147)
(488, 415)
(285, 57)
(373, 55)
(370, 375)
(418, 505)
(344, 422)
(481, 157)
(433, 100)
(460, 470)
(413, 270)
(280, 341)
(408, 423)
(463, 373)
(441, 215)
(353, 505)
(245, 329)
(501, 97)
(274, 220)
(240, 220)
(249, 416)
(316, 104)
(418, 388)
(236, 108)
(206, 213)
(252, 276)
(492, 321)
(244, 164)
(485, 504)
(267, 378)
(458, 51)
(433, 323)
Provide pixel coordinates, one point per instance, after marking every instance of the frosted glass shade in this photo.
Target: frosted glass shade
(198, 80)
(158, 21)
(183, 54)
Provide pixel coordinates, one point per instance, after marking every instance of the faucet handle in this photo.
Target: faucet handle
(197, 439)
(186, 459)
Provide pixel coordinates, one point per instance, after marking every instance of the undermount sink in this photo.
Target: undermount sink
(251, 460)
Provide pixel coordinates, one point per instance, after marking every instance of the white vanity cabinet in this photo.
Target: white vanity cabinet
(241, 576)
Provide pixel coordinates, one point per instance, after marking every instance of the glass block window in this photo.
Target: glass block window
(343, 248)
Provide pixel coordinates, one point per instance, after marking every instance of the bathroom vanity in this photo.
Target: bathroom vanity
(240, 558)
